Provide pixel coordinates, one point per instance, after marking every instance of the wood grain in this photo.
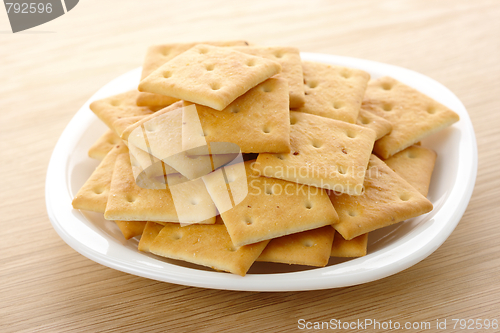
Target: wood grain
(48, 72)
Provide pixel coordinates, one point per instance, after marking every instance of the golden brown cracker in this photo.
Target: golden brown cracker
(370, 120)
(207, 245)
(412, 114)
(272, 207)
(326, 153)
(334, 92)
(130, 202)
(103, 145)
(311, 248)
(131, 229)
(356, 247)
(291, 68)
(209, 75)
(93, 195)
(415, 165)
(387, 199)
(119, 106)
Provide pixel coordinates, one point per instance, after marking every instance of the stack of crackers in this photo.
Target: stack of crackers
(230, 153)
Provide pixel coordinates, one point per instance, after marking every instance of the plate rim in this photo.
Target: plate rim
(320, 278)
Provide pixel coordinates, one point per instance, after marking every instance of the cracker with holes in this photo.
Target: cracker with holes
(151, 230)
(415, 165)
(209, 75)
(119, 106)
(291, 68)
(157, 55)
(272, 208)
(103, 145)
(258, 121)
(334, 92)
(355, 247)
(160, 135)
(387, 199)
(370, 120)
(130, 202)
(131, 229)
(311, 248)
(412, 114)
(207, 245)
(93, 195)
(326, 153)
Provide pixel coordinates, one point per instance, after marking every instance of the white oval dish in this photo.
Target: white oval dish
(390, 250)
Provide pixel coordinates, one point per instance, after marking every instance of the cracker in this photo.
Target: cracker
(415, 165)
(333, 91)
(355, 247)
(120, 125)
(370, 120)
(291, 68)
(130, 202)
(157, 55)
(103, 145)
(161, 136)
(272, 207)
(326, 153)
(412, 114)
(151, 230)
(207, 245)
(149, 99)
(209, 75)
(131, 229)
(258, 121)
(387, 199)
(119, 106)
(150, 165)
(93, 195)
(311, 248)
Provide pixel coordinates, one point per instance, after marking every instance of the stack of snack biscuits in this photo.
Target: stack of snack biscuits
(230, 153)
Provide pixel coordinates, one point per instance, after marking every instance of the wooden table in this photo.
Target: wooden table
(48, 72)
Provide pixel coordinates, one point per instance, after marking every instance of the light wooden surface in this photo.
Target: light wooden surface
(48, 72)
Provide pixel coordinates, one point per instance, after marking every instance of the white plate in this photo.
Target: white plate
(390, 250)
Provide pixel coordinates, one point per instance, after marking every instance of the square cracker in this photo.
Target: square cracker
(93, 195)
(161, 136)
(370, 120)
(412, 114)
(355, 247)
(209, 75)
(151, 230)
(157, 55)
(119, 106)
(258, 121)
(207, 245)
(130, 202)
(311, 248)
(131, 229)
(291, 68)
(326, 153)
(387, 199)
(415, 165)
(333, 91)
(272, 207)
(103, 145)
